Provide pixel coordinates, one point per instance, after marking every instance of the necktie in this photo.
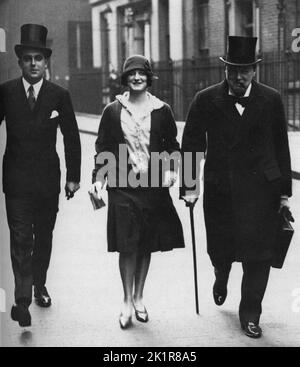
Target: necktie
(31, 97)
(241, 100)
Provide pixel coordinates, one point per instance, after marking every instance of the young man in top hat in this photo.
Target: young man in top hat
(241, 126)
(33, 109)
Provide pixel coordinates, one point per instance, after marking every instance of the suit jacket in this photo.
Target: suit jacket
(31, 163)
(247, 169)
(163, 134)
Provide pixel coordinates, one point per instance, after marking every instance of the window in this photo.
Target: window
(164, 30)
(105, 51)
(139, 38)
(298, 13)
(201, 25)
(242, 17)
(80, 45)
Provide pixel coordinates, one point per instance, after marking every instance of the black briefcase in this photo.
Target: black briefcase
(284, 238)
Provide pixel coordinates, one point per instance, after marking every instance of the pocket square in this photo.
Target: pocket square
(54, 114)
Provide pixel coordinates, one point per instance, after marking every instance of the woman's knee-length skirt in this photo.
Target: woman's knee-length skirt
(143, 220)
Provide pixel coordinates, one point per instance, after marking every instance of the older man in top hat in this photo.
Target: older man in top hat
(33, 109)
(241, 126)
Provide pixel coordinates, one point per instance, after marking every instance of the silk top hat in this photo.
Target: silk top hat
(241, 51)
(136, 62)
(33, 36)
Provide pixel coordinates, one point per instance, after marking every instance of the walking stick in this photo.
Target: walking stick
(194, 257)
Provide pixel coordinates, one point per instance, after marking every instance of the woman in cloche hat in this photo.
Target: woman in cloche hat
(141, 217)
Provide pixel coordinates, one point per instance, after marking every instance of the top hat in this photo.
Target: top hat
(136, 62)
(33, 36)
(241, 51)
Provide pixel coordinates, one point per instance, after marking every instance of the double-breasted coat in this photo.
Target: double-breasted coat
(247, 169)
(31, 163)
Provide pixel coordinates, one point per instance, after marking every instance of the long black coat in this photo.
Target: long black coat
(247, 169)
(30, 163)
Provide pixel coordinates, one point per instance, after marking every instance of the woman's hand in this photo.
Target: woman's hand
(170, 178)
(97, 188)
(190, 199)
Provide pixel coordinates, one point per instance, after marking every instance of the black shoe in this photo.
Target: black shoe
(42, 297)
(141, 316)
(220, 286)
(252, 330)
(21, 314)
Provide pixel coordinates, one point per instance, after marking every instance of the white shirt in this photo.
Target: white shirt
(136, 130)
(238, 106)
(36, 87)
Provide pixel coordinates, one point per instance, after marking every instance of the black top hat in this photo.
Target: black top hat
(33, 36)
(241, 51)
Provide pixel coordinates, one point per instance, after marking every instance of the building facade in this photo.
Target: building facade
(184, 38)
(68, 23)
(186, 29)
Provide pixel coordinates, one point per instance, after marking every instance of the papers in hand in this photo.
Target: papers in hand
(96, 202)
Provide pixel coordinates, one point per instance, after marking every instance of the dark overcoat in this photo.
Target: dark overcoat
(30, 162)
(246, 171)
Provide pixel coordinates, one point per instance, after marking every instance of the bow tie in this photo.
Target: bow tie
(241, 100)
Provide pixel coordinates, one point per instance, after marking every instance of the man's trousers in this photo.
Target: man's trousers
(254, 284)
(31, 222)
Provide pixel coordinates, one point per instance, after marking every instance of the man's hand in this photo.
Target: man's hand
(71, 188)
(284, 209)
(170, 178)
(284, 202)
(190, 199)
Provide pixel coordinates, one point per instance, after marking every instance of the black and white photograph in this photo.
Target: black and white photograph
(150, 175)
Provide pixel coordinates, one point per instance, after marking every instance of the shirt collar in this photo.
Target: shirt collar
(247, 93)
(36, 87)
(154, 102)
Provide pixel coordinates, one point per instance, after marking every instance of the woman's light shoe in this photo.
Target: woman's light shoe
(125, 321)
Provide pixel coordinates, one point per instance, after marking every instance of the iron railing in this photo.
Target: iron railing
(178, 82)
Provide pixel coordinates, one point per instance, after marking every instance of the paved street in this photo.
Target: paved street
(86, 289)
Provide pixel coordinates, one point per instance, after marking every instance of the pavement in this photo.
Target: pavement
(86, 289)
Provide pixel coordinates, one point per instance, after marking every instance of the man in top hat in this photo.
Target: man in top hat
(240, 125)
(33, 109)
